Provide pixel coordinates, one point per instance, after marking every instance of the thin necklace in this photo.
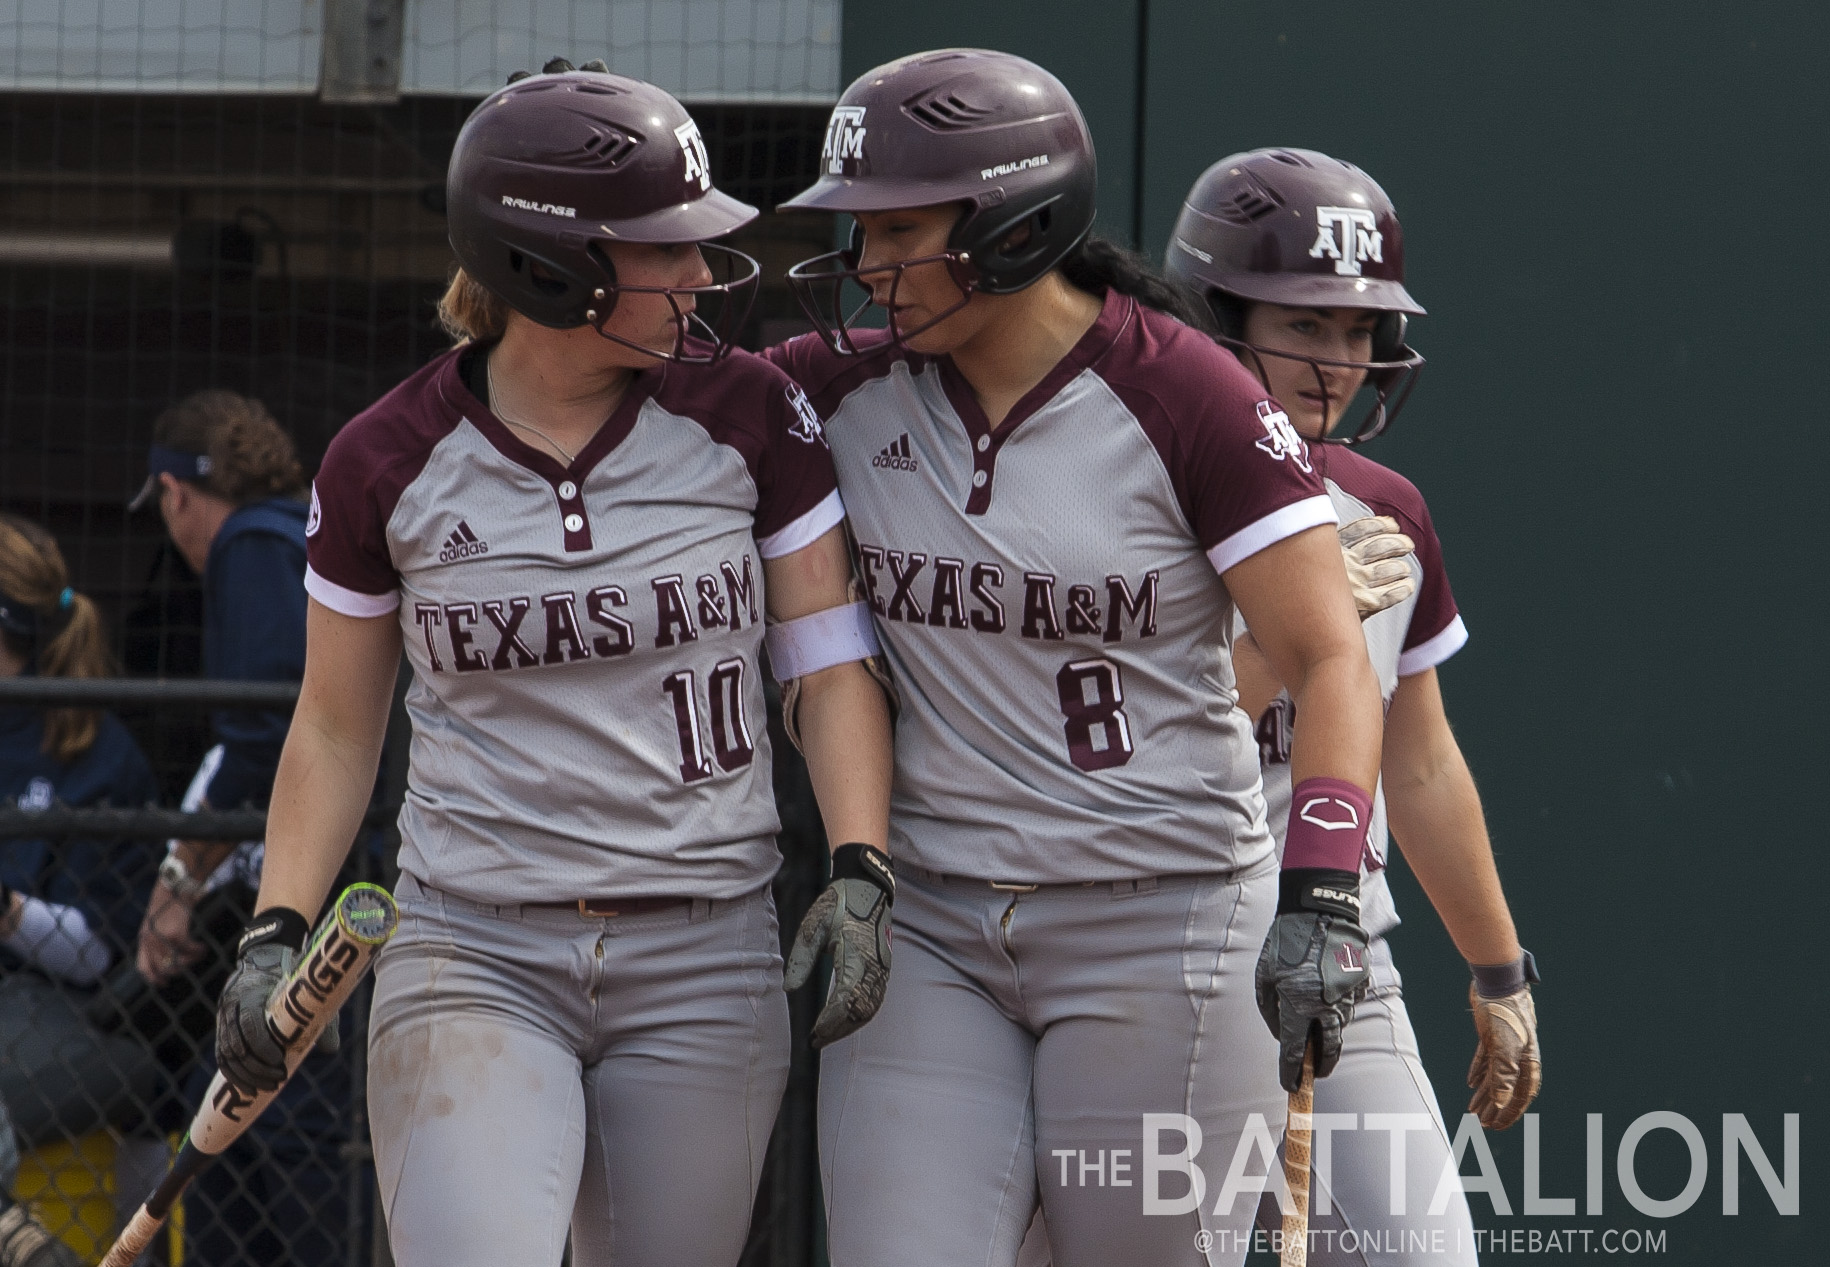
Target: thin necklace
(490, 380)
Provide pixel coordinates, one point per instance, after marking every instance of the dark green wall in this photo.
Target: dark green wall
(1618, 215)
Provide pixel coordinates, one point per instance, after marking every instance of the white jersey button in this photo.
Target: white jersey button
(984, 443)
(567, 491)
(574, 522)
(978, 479)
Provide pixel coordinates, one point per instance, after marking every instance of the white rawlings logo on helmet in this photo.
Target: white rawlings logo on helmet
(522, 204)
(698, 167)
(1358, 241)
(844, 138)
(1281, 439)
(1011, 169)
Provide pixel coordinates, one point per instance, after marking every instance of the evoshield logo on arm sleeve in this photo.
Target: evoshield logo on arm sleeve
(1313, 809)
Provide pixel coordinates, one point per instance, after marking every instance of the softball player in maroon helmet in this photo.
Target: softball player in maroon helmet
(576, 524)
(1059, 492)
(1301, 258)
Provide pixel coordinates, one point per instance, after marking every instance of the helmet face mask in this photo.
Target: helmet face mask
(1299, 229)
(819, 286)
(550, 170)
(1391, 373)
(698, 340)
(991, 132)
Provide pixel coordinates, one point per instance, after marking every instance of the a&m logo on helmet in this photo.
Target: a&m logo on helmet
(1346, 236)
(844, 139)
(1281, 439)
(806, 425)
(698, 167)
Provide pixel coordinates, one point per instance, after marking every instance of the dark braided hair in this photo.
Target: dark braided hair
(1098, 265)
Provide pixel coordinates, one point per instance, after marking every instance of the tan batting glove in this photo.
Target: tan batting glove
(1378, 563)
(1506, 1069)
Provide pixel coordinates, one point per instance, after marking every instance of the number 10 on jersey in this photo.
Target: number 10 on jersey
(731, 745)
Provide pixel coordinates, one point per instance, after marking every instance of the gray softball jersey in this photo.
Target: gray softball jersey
(1049, 596)
(1415, 635)
(588, 714)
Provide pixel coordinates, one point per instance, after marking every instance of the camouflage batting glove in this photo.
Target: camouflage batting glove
(248, 1051)
(1312, 968)
(1378, 562)
(851, 919)
(1507, 1068)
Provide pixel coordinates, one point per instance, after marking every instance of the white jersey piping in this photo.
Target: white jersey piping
(349, 602)
(1286, 521)
(804, 531)
(1427, 655)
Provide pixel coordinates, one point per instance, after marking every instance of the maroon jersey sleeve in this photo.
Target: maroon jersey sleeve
(1243, 476)
(829, 378)
(1436, 631)
(798, 491)
(348, 567)
(750, 403)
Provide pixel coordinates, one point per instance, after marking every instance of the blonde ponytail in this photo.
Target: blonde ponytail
(71, 641)
(470, 311)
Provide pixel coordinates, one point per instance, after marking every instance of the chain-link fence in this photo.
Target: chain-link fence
(249, 194)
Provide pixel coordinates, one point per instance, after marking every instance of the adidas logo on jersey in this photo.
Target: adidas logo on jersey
(896, 456)
(462, 544)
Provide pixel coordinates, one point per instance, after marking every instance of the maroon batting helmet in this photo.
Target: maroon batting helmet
(1298, 228)
(987, 130)
(553, 167)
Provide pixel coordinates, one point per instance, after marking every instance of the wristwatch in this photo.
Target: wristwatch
(177, 877)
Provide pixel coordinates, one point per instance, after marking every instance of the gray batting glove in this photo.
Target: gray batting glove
(1378, 562)
(248, 1051)
(851, 918)
(1312, 969)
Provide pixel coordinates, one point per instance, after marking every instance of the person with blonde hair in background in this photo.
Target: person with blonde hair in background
(67, 907)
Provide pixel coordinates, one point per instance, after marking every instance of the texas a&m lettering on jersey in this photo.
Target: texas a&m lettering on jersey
(579, 627)
(599, 622)
(1050, 599)
(971, 595)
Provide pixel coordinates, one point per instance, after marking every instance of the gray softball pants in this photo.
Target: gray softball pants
(1351, 1222)
(532, 1070)
(1379, 1088)
(1021, 1042)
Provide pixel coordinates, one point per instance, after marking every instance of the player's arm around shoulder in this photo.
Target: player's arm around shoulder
(818, 644)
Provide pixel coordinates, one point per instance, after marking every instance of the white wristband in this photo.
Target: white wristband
(59, 940)
(837, 635)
